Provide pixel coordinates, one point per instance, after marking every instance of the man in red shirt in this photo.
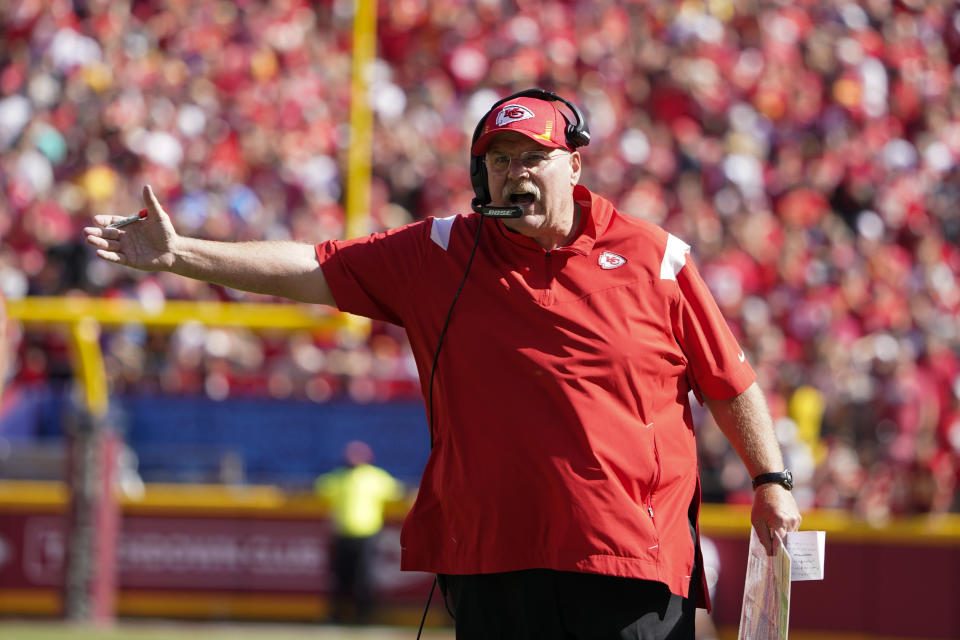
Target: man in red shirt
(557, 347)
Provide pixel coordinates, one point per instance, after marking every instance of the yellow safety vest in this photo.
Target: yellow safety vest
(357, 497)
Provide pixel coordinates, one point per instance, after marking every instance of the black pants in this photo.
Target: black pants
(542, 603)
(353, 579)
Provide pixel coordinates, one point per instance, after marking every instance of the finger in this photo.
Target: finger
(107, 242)
(98, 241)
(763, 534)
(105, 220)
(105, 233)
(776, 539)
(794, 524)
(149, 199)
(110, 256)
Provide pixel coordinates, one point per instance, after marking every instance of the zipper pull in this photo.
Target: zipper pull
(650, 510)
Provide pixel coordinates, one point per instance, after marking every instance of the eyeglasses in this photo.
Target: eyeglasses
(499, 163)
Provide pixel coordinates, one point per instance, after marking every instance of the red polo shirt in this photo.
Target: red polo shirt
(562, 434)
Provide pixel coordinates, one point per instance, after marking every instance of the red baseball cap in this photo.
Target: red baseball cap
(539, 120)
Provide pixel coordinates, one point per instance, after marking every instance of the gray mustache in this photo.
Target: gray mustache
(520, 187)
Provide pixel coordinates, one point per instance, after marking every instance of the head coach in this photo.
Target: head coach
(557, 345)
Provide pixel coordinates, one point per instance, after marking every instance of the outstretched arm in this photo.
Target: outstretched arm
(746, 422)
(281, 268)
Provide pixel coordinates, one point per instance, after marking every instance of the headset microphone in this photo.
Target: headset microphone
(491, 211)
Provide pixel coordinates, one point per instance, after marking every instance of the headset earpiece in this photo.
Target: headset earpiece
(577, 135)
(478, 178)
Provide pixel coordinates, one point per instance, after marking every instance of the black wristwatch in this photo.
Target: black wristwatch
(783, 478)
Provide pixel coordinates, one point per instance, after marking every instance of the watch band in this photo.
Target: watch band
(783, 478)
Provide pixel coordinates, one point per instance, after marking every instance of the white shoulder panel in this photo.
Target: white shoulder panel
(440, 231)
(674, 257)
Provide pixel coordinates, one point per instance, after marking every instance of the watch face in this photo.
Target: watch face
(787, 480)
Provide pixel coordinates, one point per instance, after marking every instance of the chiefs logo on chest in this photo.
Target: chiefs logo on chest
(610, 260)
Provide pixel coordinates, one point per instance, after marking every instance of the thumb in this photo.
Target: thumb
(153, 205)
(766, 538)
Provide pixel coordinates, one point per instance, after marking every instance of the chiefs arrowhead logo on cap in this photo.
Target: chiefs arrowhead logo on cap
(610, 260)
(512, 113)
(536, 119)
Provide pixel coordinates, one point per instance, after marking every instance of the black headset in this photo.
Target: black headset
(577, 134)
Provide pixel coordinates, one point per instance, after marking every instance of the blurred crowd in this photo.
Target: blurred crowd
(807, 150)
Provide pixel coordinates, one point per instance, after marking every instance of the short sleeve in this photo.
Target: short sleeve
(717, 365)
(373, 276)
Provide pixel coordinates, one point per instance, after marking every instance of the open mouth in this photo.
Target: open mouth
(522, 199)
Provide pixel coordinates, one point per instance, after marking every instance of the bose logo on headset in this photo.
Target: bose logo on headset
(577, 134)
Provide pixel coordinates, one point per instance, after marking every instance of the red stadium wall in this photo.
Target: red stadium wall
(899, 580)
(257, 553)
(198, 552)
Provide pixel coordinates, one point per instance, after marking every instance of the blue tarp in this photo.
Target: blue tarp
(188, 439)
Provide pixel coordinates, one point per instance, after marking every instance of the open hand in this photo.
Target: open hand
(146, 245)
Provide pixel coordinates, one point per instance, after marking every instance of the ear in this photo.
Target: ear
(574, 168)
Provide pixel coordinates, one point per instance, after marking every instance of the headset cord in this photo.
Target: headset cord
(427, 608)
(446, 323)
(433, 370)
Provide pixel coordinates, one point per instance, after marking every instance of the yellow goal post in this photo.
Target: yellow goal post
(84, 316)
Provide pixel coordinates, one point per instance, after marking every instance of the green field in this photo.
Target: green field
(20, 630)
